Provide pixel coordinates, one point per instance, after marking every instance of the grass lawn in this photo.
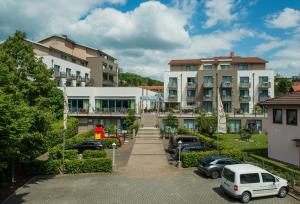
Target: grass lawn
(233, 141)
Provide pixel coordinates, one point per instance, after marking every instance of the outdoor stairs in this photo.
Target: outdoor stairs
(148, 133)
(149, 119)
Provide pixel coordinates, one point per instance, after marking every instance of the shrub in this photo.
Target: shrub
(37, 167)
(87, 154)
(190, 159)
(56, 152)
(71, 154)
(88, 165)
(258, 151)
(206, 139)
(109, 141)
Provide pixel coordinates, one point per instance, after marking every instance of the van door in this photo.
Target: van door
(252, 183)
(268, 184)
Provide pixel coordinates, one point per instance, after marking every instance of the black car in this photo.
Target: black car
(189, 148)
(88, 145)
(212, 166)
(185, 139)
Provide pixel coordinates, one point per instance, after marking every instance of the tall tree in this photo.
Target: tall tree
(282, 86)
(28, 101)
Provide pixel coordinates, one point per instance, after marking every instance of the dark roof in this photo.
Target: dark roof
(292, 98)
(185, 62)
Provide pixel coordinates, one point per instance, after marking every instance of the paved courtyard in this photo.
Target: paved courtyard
(147, 178)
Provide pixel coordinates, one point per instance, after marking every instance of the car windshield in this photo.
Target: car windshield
(228, 175)
(207, 160)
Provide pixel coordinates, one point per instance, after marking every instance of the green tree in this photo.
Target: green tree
(27, 101)
(131, 79)
(171, 123)
(282, 86)
(130, 120)
(207, 124)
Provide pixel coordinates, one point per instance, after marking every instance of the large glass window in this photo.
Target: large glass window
(190, 124)
(234, 126)
(226, 92)
(244, 93)
(207, 106)
(249, 178)
(291, 117)
(173, 81)
(244, 107)
(227, 107)
(277, 116)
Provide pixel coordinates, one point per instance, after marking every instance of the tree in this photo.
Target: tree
(28, 98)
(207, 124)
(130, 120)
(171, 123)
(131, 79)
(282, 86)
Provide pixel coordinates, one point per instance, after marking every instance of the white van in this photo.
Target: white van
(245, 181)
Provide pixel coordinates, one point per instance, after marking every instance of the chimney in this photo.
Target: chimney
(232, 54)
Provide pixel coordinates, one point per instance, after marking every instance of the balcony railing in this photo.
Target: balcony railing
(226, 98)
(191, 85)
(245, 85)
(208, 85)
(172, 85)
(60, 74)
(264, 85)
(263, 98)
(227, 84)
(172, 98)
(244, 99)
(207, 98)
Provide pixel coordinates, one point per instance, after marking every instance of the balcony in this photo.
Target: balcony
(227, 84)
(245, 85)
(226, 98)
(263, 98)
(60, 75)
(172, 86)
(207, 98)
(264, 85)
(245, 99)
(191, 85)
(172, 98)
(110, 71)
(190, 98)
(208, 85)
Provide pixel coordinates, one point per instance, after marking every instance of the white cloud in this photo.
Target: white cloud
(219, 11)
(288, 18)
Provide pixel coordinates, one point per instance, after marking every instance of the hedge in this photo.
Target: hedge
(37, 167)
(277, 168)
(109, 141)
(88, 165)
(186, 131)
(55, 136)
(258, 151)
(190, 159)
(87, 154)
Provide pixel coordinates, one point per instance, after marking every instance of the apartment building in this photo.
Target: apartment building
(106, 105)
(242, 82)
(75, 64)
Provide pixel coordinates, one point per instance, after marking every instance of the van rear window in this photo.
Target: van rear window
(228, 175)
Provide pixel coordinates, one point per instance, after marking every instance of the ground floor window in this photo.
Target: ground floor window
(254, 125)
(190, 124)
(114, 105)
(234, 126)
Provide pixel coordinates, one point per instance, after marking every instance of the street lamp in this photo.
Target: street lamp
(179, 154)
(113, 159)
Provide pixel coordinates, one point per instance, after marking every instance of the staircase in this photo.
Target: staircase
(148, 133)
(149, 120)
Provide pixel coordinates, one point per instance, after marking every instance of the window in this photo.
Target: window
(277, 116)
(244, 107)
(191, 93)
(207, 106)
(291, 117)
(86, 76)
(249, 178)
(111, 77)
(63, 57)
(208, 79)
(190, 124)
(172, 93)
(234, 126)
(104, 66)
(225, 66)
(68, 72)
(208, 92)
(228, 175)
(243, 67)
(191, 80)
(207, 67)
(190, 68)
(227, 107)
(244, 80)
(255, 125)
(226, 92)
(263, 79)
(244, 93)
(267, 177)
(172, 80)
(190, 103)
(227, 79)
(221, 162)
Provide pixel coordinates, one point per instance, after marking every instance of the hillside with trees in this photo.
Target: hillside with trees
(131, 79)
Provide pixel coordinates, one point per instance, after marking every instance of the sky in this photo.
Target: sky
(145, 35)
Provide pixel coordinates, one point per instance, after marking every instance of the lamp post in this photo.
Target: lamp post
(179, 154)
(113, 159)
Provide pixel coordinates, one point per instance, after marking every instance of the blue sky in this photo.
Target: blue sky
(146, 35)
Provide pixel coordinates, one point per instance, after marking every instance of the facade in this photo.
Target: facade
(284, 128)
(242, 83)
(106, 105)
(75, 64)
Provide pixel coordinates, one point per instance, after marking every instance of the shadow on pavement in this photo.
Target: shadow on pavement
(221, 193)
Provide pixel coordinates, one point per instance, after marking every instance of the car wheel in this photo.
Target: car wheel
(215, 174)
(245, 198)
(282, 192)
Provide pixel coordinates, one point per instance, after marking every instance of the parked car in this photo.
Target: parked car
(212, 166)
(189, 148)
(185, 139)
(245, 181)
(88, 145)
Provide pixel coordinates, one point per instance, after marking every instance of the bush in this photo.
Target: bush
(71, 154)
(88, 165)
(37, 167)
(258, 151)
(185, 131)
(276, 168)
(109, 141)
(56, 152)
(190, 159)
(87, 154)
